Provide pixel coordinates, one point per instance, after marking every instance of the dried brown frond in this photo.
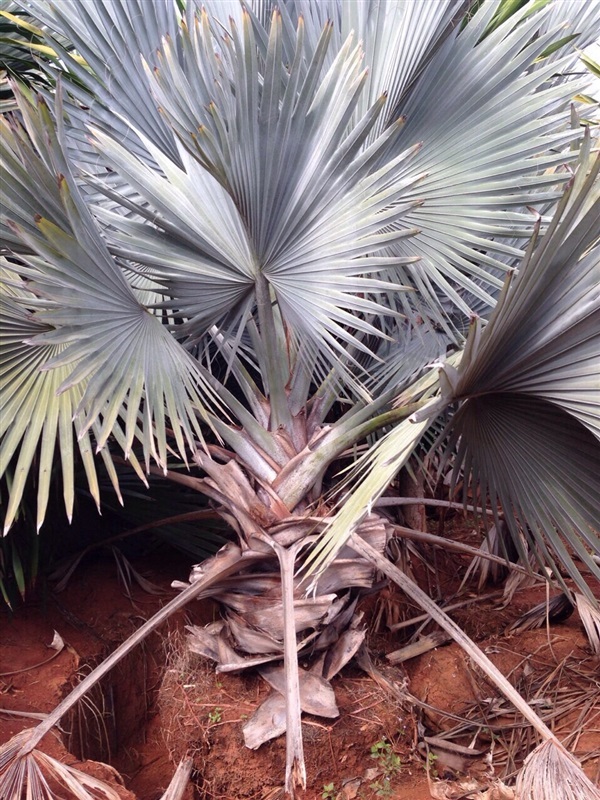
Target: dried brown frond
(550, 773)
(29, 776)
(423, 645)
(180, 780)
(471, 789)
(590, 617)
(554, 610)
(566, 696)
(496, 543)
(522, 580)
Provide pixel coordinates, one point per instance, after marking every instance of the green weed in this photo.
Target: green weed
(328, 792)
(389, 763)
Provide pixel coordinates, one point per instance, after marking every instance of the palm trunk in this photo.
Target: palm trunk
(268, 619)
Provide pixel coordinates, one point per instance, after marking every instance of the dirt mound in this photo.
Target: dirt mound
(365, 748)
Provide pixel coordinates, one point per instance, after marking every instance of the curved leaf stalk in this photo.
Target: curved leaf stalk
(295, 767)
(276, 374)
(562, 774)
(14, 754)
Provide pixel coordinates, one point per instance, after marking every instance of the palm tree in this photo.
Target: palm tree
(239, 236)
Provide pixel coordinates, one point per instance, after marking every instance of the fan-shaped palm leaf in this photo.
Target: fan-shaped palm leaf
(290, 199)
(483, 167)
(535, 362)
(544, 338)
(111, 357)
(111, 38)
(471, 196)
(34, 414)
(479, 177)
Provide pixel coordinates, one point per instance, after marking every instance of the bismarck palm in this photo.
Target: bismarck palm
(240, 238)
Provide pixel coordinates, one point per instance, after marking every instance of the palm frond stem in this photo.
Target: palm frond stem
(255, 398)
(295, 770)
(261, 465)
(300, 473)
(457, 547)
(275, 374)
(475, 653)
(228, 561)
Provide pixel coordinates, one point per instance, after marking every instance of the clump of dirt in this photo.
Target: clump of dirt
(369, 749)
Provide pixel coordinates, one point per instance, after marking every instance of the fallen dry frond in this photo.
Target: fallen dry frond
(496, 545)
(471, 789)
(27, 777)
(590, 617)
(180, 780)
(556, 609)
(563, 777)
(566, 696)
(423, 645)
(550, 773)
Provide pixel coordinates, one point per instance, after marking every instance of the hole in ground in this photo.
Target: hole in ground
(117, 723)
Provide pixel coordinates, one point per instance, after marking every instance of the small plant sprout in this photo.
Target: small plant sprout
(389, 763)
(430, 765)
(328, 792)
(216, 715)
